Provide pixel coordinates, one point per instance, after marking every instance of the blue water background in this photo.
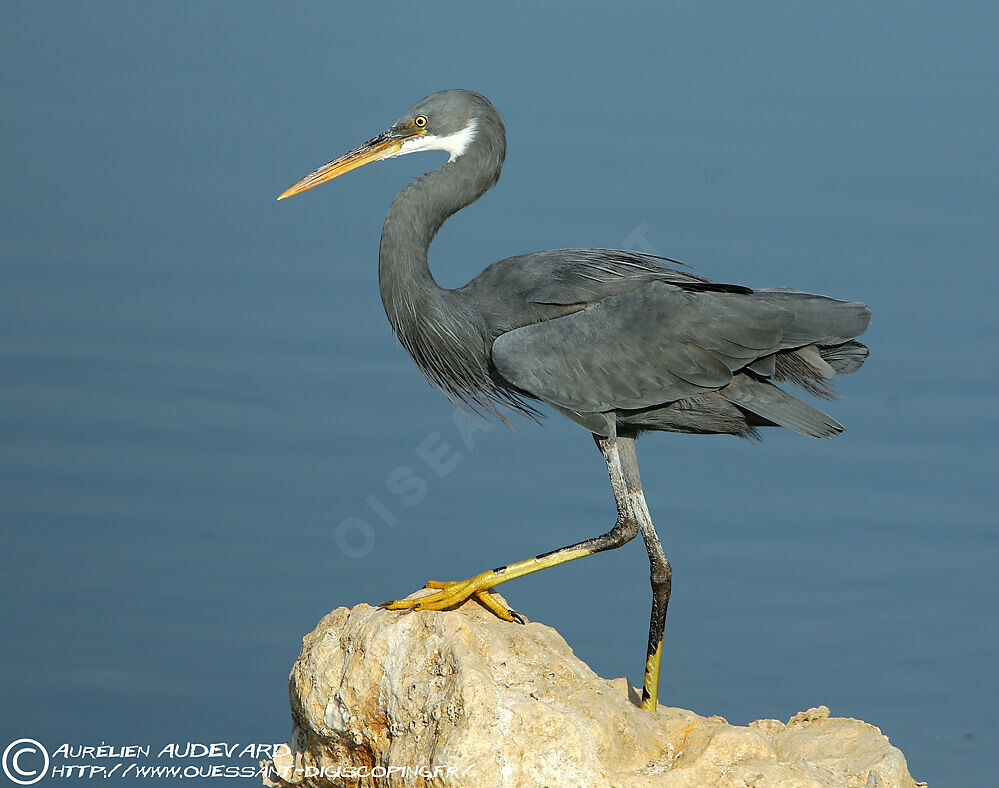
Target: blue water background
(199, 392)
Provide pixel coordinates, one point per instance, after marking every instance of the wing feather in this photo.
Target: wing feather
(642, 348)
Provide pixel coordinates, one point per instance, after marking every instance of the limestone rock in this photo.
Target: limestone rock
(461, 698)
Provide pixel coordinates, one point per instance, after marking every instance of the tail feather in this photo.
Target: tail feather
(816, 345)
(810, 367)
(805, 368)
(775, 405)
(845, 358)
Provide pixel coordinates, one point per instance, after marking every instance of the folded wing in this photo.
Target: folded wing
(661, 343)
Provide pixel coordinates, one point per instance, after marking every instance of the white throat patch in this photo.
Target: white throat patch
(455, 144)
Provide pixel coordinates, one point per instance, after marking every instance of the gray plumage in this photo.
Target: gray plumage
(607, 337)
(620, 342)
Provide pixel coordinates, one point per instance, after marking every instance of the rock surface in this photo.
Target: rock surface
(461, 698)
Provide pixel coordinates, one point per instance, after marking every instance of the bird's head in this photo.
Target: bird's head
(450, 121)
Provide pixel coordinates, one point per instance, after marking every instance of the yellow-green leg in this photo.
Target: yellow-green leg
(632, 516)
(660, 577)
(454, 593)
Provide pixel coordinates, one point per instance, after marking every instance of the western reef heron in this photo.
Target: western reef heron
(617, 341)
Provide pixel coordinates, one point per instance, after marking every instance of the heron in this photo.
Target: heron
(620, 342)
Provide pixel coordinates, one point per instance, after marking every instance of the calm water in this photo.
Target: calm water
(201, 402)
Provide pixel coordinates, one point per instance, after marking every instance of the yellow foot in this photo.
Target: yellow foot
(453, 593)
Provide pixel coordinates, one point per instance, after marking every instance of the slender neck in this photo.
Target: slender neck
(443, 330)
(440, 329)
(416, 215)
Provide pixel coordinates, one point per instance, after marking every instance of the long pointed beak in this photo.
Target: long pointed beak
(381, 147)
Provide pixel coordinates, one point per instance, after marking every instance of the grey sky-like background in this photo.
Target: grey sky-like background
(198, 386)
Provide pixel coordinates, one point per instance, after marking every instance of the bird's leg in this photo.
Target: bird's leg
(660, 573)
(625, 528)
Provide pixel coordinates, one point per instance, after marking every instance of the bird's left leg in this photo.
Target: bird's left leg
(660, 574)
(625, 528)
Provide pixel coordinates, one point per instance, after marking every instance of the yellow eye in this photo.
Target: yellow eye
(420, 121)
